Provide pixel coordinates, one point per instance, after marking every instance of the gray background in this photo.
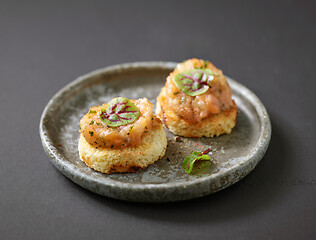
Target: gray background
(269, 46)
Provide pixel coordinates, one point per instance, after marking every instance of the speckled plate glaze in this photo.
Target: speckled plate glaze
(233, 156)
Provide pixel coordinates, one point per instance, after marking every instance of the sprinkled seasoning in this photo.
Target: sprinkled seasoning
(177, 139)
(91, 133)
(222, 150)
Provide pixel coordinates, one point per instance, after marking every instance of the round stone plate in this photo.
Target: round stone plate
(232, 156)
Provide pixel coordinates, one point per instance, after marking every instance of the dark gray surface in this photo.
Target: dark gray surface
(268, 46)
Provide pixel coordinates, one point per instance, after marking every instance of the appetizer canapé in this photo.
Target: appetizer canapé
(196, 101)
(122, 136)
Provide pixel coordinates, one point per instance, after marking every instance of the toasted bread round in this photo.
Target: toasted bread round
(213, 125)
(208, 114)
(129, 159)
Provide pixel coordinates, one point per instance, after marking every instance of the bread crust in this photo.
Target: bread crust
(214, 125)
(128, 159)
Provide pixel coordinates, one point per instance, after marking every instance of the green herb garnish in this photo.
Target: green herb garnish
(189, 161)
(120, 111)
(92, 111)
(91, 133)
(91, 122)
(194, 82)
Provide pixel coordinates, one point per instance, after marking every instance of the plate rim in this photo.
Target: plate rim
(83, 178)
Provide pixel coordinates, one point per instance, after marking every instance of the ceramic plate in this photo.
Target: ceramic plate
(233, 156)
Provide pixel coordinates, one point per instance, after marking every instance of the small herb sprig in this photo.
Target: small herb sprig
(194, 82)
(189, 161)
(120, 111)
